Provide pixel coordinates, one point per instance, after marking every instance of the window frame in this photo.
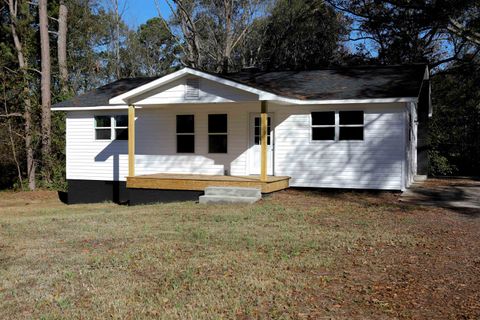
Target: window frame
(337, 127)
(216, 133)
(95, 127)
(113, 127)
(340, 126)
(185, 134)
(334, 125)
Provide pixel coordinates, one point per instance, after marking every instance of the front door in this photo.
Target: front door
(255, 147)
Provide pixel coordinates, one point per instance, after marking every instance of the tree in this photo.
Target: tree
(45, 87)
(405, 31)
(301, 35)
(27, 113)
(62, 46)
(211, 31)
(151, 50)
(455, 126)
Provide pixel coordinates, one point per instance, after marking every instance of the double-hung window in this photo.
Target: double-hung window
(337, 125)
(351, 125)
(111, 127)
(323, 125)
(121, 127)
(103, 128)
(186, 133)
(217, 133)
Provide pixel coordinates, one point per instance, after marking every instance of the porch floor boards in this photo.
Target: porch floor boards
(198, 182)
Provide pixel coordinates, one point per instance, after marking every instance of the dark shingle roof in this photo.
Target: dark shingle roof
(363, 82)
(101, 95)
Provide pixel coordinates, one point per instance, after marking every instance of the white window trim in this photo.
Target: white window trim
(186, 134)
(113, 126)
(218, 134)
(337, 126)
(323, 126)
(95, 128)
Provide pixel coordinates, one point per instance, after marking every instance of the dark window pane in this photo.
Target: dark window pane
(257, 140)
(351, 117)
(186, 144)
(121, 134)
(102, 121)
(351, 133)
(323, 118)
(268, 140)
(102, 134)
(217, 143)
(257, 131)
(217, 123)
(185, 123)
(121, 121)
(257, 122)
(323, 133)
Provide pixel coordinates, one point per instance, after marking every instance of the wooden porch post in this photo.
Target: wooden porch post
(263, 141)
(131, 140)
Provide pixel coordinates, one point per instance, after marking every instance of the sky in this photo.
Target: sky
(137, 12)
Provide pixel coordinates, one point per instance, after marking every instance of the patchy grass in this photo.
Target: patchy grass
(295, 255)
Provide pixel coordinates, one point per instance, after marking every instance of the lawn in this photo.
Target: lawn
(294, 255)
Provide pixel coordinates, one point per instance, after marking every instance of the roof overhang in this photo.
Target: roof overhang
(116, 107)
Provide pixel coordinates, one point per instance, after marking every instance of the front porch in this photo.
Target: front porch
(198, 182)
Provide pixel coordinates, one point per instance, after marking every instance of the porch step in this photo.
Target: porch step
(233, 191)
(226, 199)
(230, 195)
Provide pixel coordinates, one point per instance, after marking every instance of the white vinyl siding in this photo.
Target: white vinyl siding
(155, 144)
(377, 162)
(182, 91)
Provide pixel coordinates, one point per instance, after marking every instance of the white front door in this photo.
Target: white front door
(254, 151)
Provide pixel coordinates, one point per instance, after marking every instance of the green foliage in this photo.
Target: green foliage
(455, 126)
(301, 35)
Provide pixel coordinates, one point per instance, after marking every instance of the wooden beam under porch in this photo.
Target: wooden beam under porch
(198, 182)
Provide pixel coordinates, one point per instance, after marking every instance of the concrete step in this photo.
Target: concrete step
(420, 178)
(218, 199)
(233, 191)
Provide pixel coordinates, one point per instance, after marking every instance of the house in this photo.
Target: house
(168, 138)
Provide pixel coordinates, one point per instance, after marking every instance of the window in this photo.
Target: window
(341, 125)
(351, 125)
(217, 133)
(121, 127)
(257, 133)
(111, 127)
(323, 125)
(185, 133)
(103, 128)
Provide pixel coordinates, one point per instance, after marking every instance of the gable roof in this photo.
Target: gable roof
(330, 85)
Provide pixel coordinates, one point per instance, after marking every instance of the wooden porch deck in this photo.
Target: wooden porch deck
(198, 182)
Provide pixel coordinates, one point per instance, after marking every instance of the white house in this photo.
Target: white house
(167, 138)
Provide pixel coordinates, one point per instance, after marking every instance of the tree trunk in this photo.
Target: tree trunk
(62, 47)
(27, 113)
(228, 37)
(12, 140)
(45, 88)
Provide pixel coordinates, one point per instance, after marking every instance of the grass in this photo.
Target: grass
(294, 255)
